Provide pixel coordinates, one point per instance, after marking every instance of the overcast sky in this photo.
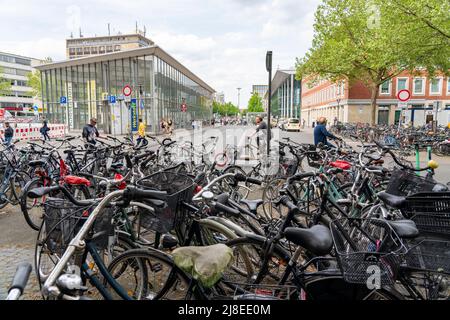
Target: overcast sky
(224, 42)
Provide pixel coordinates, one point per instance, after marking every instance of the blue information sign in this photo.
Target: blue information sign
(134, 115)
(35, 108)
(63, 100)
(142, 105)
(112, 99)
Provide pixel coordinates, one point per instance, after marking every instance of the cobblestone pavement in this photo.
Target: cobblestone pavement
(10, 257)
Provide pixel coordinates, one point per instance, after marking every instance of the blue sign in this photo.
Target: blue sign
(112, 99)
(35, 108)
(63, 100)
(142, 105)
(134, 115)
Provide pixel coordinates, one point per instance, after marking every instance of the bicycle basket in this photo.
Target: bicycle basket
(429, 255)
(368, 250)
(405, 183)
(63, 220)
(179, 188)
(430, 212)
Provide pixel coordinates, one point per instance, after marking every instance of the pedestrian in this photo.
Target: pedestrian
(261, 130)
(9, 134)
(90, 132)
(303, 124)
(141, 134)
(170, 126)
(44, 130)
(321, 133)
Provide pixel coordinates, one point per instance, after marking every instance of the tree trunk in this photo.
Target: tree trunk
(373, 103)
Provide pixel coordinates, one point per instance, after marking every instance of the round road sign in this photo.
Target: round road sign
(127, 91)
(404, 95)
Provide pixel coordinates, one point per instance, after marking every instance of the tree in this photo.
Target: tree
(255, 104)
(374, 41)
(5, 84)
(227, 109)
(34, 80)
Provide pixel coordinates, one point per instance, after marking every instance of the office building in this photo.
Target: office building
(286, 94)
(82, 47)
(161, 88)
(18, 101)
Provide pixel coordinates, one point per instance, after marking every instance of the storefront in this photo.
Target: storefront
(76, 90)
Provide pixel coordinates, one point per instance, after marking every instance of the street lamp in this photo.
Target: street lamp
(269, 70)
(239, 97)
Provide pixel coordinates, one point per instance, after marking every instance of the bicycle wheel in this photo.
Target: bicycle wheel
(32, 209)
(147, 274)
(18, 184)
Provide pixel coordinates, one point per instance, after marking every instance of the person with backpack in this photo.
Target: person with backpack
(141, 134)
(9, 133)
(90, 132)
(44, 130)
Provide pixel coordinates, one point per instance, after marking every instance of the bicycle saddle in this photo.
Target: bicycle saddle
(205, 264)
(36, 163)
(317, 239)
(406, 229)
(252, 204)
(395, 202)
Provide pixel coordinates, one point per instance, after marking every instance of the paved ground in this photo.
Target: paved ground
(17, 239)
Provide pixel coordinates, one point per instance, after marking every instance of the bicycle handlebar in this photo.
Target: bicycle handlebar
(19, 281)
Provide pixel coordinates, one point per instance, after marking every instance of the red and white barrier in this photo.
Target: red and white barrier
(32, 132)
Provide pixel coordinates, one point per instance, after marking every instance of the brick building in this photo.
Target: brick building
(352, 103)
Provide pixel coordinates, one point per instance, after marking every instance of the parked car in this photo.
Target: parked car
(292, 125)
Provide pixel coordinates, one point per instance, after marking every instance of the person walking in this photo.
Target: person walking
(261, 131)
(170, 126)
(90, 132)
(321, 133)
(44, 130)
(9, 133)
(141, 134)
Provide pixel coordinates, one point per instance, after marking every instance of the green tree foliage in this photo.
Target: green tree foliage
(5, 84)
(373, 41)
(255, 103)
(227, 109)
(34, 80)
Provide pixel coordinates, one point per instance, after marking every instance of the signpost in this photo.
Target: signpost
(63, 100)
(269, 70)
(127, 91)
(403, 97)
(112, 99)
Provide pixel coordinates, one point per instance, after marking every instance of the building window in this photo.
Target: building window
(385, 87)
(435, 86)
(109, 49)
(402, 84)
(117, 48)
(418, 86)
(102, 49)
(94, 50)
(72, 51)
(87, 50)
(79, 51)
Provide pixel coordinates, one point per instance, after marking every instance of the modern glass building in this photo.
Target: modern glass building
(286, 94)
(160, 86)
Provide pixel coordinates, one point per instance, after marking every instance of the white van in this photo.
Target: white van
(292, 125)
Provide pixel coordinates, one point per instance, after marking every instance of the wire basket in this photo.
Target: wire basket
(430, 211)
(179, 188)
(367, 250)
(429, 255)
(63, 220)
(405, 183)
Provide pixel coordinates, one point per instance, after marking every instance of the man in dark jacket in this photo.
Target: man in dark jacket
(90, 132)
(9, 133)
(321, 133)
(44, 130)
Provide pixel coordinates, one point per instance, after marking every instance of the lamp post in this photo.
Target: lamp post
(269, 69)
(239, 97)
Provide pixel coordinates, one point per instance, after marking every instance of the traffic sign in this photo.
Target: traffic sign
(63, 100)
(402, 105)
(142, 105)
(127, 91)
(404, 95)
(35, 108)
(112, 99)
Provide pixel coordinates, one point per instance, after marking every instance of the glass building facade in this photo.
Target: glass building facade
(159, 83)
(286, 95)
